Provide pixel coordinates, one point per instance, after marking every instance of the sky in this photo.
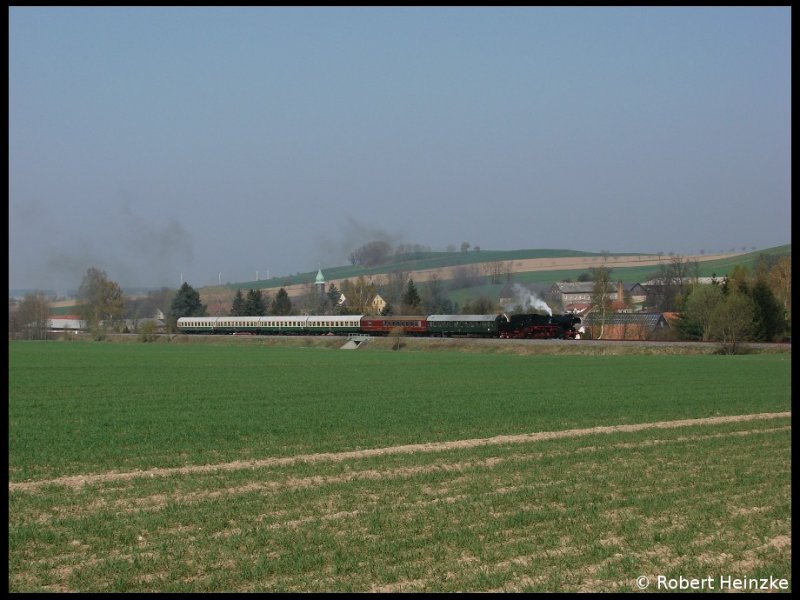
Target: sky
(214, 144)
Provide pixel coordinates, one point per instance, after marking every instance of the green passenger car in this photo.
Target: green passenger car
(464, 325)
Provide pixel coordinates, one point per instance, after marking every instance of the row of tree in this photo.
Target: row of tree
(256, 304)
(743, 308)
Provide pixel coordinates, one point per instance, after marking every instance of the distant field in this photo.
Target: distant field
(445, 260)
(585, 511)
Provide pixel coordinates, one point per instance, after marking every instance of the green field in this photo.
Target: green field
(210, 512)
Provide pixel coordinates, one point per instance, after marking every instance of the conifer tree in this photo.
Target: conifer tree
(238, 306)
(186, 304)
(411, 297)
(255, 305)
(281, 305)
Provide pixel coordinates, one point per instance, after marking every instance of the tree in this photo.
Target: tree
(768, 320)
(186, 303)
(434, 299)
(601, 295)
(732, 321)
(780, 281)
(674, 279)
(153, 305)
(699, 308)
(371, 254)
(256, 304)
(33, 316)
(100, 299)
(334, 295)
(737, 280)
(359, 294)
(465, 246)
(482, 305)
(394, 287)
(238, 305)
(281, 305)
(411, 298)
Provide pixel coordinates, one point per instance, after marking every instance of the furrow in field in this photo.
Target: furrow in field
(80, 480)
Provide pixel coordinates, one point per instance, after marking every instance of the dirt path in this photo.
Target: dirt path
(80, 480)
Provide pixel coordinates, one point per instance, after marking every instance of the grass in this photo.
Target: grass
(83, 407)
(588, 513)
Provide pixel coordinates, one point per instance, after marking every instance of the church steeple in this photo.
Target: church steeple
(320, 282)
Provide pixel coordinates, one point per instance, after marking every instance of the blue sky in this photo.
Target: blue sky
(154, 142)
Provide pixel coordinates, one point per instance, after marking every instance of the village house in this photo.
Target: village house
(577, 297)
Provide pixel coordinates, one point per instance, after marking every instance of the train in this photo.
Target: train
(522, 326)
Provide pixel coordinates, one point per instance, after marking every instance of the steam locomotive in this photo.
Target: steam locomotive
(524, 326)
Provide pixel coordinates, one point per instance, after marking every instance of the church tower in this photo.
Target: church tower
(320, 283)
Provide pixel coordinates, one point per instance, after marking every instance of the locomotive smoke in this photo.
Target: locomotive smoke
(527, 300)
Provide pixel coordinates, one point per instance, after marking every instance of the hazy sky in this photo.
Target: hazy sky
(151, 142)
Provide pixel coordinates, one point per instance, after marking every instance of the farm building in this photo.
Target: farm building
(66, 324)
(577, 297)
(625, 326)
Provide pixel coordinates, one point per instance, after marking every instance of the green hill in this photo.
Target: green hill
(438, 260)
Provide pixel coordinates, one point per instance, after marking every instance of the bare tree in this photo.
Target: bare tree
(465, 276)
(394, 287)
(100, 299)
(32, 316)
(371, 254)
(601, 295)
(675, 278)
(482, 305)
(359, 294)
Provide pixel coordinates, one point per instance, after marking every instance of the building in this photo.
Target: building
(626, 326)
(66, 324)
(377, 305)
(577, 297)
(319, 283)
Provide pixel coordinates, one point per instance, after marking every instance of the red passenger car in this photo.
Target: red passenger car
(409, 325)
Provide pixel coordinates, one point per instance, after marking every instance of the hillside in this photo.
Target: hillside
(541, 266)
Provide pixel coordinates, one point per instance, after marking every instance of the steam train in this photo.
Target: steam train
(524, 326)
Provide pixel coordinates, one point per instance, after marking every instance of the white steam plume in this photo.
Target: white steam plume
(526, 299)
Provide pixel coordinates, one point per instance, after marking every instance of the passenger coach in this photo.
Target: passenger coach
(410, 325)
(465, 325)
(276, 325)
